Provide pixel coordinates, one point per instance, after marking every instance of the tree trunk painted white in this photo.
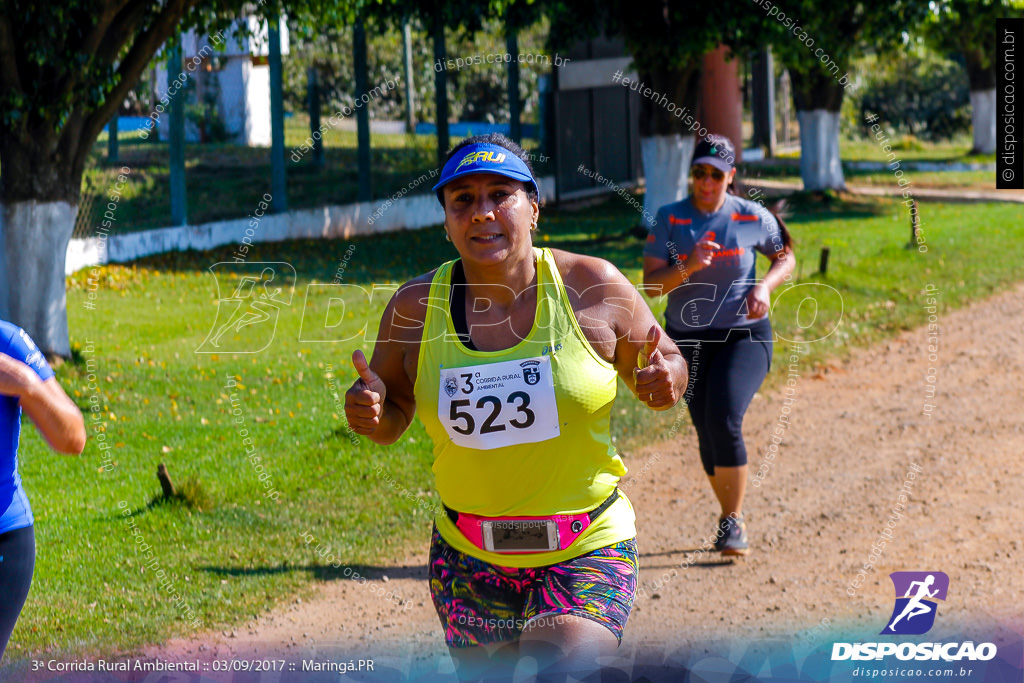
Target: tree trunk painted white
(983, 120)
(34, 236)
(666, 160)
(820, 167)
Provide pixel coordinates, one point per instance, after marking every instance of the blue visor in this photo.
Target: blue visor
(485, 158)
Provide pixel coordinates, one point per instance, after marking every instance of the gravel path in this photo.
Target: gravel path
(853, 434)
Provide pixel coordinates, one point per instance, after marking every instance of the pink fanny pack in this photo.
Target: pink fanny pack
(516, 535)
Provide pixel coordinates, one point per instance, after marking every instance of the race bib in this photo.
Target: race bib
(499, 404)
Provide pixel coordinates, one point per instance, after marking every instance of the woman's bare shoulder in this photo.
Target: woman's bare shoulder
(581, 272)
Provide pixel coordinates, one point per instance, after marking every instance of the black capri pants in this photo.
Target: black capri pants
(17, 561)
(727, 367)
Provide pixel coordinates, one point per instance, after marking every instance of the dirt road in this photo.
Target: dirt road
(852, 435)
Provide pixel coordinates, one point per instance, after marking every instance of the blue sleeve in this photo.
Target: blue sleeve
(658, 237)
(18, 345)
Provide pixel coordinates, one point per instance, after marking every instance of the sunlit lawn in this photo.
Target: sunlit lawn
(240, 553)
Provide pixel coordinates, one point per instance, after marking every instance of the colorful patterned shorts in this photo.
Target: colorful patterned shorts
(481, 603)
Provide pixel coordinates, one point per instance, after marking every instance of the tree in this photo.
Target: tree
(436, 16)
(918, 92)
(65, 68)
(818, 43)
(968, 27)
(478, 92)
(667, 41)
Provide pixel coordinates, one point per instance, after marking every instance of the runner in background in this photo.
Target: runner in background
(510, 355)
(701, 251)
(26, 381)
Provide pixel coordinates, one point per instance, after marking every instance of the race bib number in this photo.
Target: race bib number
(499, 404)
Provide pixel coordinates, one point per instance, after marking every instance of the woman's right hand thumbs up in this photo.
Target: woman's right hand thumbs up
(364, 401)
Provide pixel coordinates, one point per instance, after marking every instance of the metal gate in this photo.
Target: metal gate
(596, 122)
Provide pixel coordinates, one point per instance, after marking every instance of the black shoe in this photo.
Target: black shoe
(731, 538)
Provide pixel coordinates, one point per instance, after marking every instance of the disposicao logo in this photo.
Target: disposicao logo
(917, 594)
(914, 612)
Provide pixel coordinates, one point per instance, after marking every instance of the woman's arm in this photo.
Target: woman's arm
(381, 403)
(759, 296)
(55, 415)
(783, 264)
(645, 356)
(662, 276)
(621, 328)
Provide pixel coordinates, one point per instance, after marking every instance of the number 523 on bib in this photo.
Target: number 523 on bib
(499, 404)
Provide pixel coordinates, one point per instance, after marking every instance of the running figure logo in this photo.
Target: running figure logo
(247, 319)
(914, 612)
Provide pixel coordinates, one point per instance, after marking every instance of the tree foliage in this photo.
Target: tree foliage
(64, 70)
(667, 41)
(968, 28)
(477, 91)
(918, 92)
(818, 42)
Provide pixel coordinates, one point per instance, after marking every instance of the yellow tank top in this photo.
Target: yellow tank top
(522, 431)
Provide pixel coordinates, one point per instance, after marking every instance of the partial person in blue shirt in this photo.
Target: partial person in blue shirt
(26, 382)
(702, 252)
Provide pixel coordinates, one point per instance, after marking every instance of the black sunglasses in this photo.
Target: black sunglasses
(699, 173)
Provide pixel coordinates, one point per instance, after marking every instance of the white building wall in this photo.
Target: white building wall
(244, 100)
(326, 222)
(233, 109)
(257, 106)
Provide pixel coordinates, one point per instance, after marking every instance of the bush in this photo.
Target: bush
(475, 93)
(907, 143)
(920, 94)
(205, 115)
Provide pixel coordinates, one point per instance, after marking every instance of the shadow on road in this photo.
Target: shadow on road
(329, 572)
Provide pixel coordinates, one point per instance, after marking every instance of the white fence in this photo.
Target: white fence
(327, 222)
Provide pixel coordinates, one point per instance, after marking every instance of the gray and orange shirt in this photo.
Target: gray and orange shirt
(715, 296)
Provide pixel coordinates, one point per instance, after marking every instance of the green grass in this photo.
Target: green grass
(960, 180)
(227, 181)
(238, 553)
(912, 149)
(787, 166)
(873, 289)
(908, 148)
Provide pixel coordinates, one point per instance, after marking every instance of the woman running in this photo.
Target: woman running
(701, 250)
(26, 381)
(509, 355)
